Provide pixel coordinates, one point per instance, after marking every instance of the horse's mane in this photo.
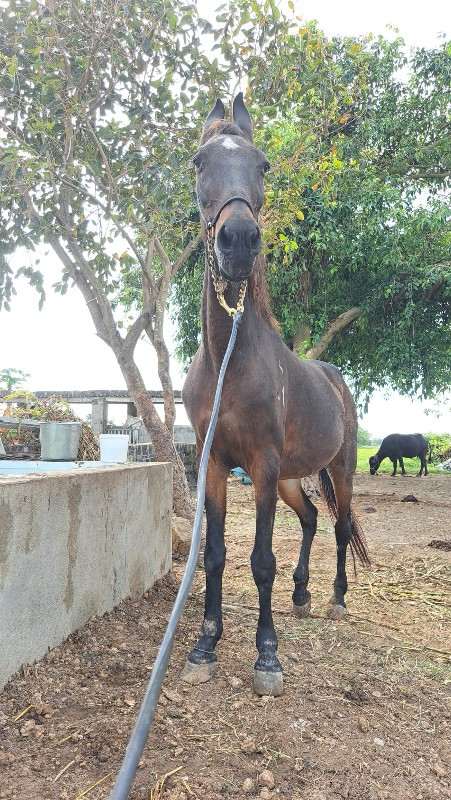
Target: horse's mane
(258, 291)
(258, 287)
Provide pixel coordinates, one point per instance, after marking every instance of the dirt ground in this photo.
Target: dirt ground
(364, 711)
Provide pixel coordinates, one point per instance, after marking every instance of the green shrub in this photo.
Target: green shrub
(439, 447)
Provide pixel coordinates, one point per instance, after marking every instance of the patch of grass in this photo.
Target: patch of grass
(439, 672)
(411, 465)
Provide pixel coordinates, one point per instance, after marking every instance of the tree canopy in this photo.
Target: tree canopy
(12, 379)
(357, 224)
(100, 107)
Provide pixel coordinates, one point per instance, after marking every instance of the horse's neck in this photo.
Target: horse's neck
(216, 323)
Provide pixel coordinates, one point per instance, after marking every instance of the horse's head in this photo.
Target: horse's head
(374, 464)
(229, 176)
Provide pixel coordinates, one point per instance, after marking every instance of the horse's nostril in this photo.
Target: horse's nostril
(256, 238)
(225, 238)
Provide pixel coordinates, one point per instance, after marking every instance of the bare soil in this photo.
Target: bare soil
(364, 712)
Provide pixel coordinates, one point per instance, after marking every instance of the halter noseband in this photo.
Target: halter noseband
(211, 223)
(220, 284)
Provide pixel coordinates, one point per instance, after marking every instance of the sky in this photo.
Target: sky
(59, 348)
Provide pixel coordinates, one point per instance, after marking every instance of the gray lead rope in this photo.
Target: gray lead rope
(140, 731)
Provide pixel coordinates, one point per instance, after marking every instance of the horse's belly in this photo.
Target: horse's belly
(300, 466)
(309, 449)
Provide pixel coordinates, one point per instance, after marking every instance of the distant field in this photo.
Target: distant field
(411, 465)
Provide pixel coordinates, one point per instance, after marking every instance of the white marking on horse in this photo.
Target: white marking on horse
(229, 144)
(283, 396)
(209, 627)
(280, 367)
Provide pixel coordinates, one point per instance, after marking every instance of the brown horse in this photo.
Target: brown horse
(280, 418)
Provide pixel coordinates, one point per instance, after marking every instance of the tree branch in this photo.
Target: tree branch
(190, 248)
(336, 326)
(86, 290)
(78, 188)
(109, 322)
(138, 327)
(112, 189)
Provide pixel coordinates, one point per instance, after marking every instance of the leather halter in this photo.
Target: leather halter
(211, 223)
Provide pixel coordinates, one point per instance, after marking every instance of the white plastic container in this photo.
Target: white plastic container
(113, 447)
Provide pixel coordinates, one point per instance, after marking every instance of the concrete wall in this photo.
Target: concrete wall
(74, 544)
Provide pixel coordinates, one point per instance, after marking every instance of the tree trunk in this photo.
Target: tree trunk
(123, 349)
(160, 436)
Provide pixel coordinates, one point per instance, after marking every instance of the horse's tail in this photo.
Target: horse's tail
(357, 542)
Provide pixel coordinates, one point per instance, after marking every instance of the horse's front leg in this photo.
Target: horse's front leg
(201, 662)
(268, 677)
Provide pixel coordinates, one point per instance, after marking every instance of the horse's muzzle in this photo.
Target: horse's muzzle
(238, 243)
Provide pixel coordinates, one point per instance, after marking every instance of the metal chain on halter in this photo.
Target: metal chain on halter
(220, 284)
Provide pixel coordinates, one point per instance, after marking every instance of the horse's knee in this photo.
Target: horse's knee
(309, 522)
(263, 567)
(214, 558)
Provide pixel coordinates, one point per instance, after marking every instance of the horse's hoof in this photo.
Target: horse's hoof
(336, 611)
(268, 683)
(195, 674)
(302, 611)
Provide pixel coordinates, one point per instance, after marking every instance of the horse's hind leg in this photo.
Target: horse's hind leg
(201, 662)
(342, 482)
(294, 496)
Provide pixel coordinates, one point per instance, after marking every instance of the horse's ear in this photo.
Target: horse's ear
(218, 112)
(241, 116)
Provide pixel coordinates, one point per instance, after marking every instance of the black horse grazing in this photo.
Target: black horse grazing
(280, 418)
(399, 445)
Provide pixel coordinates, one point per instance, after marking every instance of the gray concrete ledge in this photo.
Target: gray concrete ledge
(74, 544)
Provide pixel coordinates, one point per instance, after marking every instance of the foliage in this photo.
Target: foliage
(11, 379)
(439, 447)
(100, 105)
(99, 101)
(355, 215)
(99, 123)
(363, 437)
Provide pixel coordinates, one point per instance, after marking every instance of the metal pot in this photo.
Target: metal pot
(59, 440)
